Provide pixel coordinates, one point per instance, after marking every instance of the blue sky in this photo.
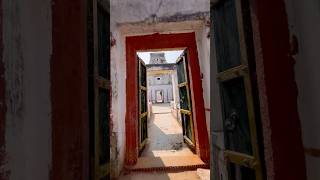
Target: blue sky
(171, 56)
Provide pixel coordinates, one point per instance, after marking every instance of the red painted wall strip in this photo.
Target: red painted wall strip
(70, 144)
(198, 102)
(161, 41)
(3, 174)
(132, 104)
(284, 152)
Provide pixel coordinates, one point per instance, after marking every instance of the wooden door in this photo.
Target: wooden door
(185, 101)
(143, 104)
(231, 28)
(99, 90)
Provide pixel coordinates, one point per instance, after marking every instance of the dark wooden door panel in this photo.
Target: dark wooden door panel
(236, 124)
(239, 118)
(227, 36)
(185, 101)
(143, 104)
(100, 90)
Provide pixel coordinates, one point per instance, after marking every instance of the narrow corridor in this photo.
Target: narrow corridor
(185, 175)
(165, 149)
(165, 134)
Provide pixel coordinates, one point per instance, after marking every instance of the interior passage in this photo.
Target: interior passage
(165, 148)
(185, 175)
(165, 134)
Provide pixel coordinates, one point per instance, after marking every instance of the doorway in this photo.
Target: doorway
(159, 96)
(164, 42)
(162, 75)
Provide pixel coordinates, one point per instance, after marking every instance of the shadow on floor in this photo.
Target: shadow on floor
(164, 134)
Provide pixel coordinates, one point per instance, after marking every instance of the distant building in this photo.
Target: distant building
(159, 77)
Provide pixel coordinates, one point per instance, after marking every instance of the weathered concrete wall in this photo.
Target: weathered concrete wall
(164, 79)
(26, 56)
(167, 95)
(203, 44)
(136, 17)
(163, 84)
(118, 77)
(304, 17)
(146, 11)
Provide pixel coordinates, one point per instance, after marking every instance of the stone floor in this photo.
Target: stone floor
(185, 175)
(165, 134)
(164, 148)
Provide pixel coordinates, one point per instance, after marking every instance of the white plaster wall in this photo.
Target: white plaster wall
(118, 76)
(164, 84)
(142, 10)
(164, 79)
(27, 52)
(166, 90)
(304, 18)
(124, 15)
(203, 45)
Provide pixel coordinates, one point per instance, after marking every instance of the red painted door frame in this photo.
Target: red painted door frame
(164, 41)
(283, 146)
(69, 100)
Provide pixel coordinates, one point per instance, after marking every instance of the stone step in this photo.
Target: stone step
(168, 163)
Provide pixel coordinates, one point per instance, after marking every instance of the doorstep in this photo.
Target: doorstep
(168, 163)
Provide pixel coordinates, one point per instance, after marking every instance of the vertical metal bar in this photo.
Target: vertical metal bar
(248, 90)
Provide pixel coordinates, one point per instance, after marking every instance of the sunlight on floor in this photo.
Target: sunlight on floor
(165, 134)
(165, 149)
(185, 175)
